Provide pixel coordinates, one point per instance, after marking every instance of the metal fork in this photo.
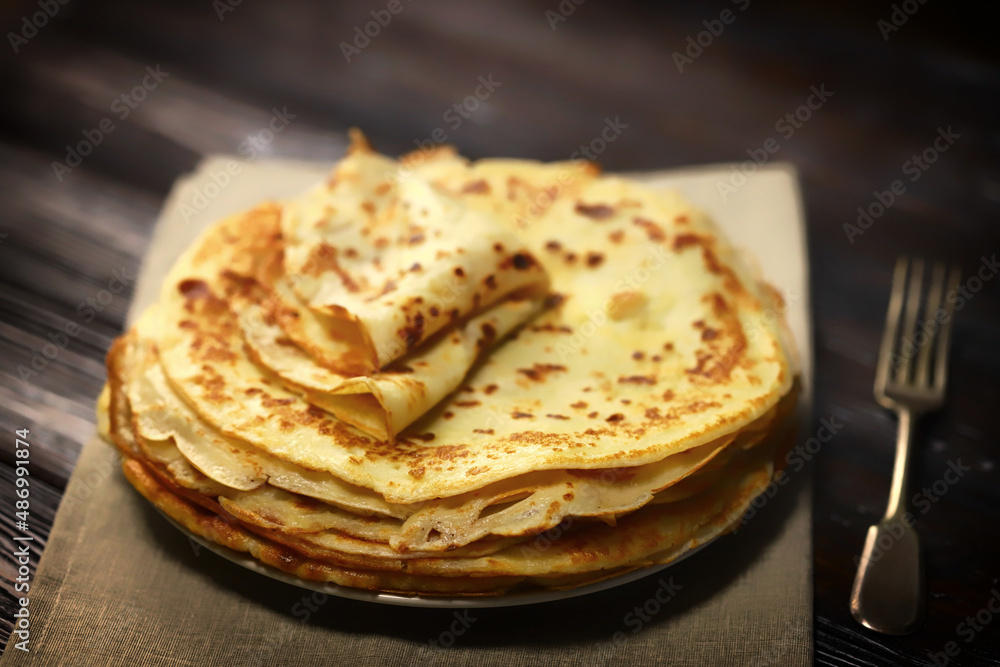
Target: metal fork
(888, 594)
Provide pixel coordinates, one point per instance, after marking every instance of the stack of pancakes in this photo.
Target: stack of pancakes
(441, 377)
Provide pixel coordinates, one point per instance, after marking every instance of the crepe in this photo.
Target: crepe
(671, 367)
(398, 379)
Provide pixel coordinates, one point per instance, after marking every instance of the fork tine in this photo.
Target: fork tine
(922, 374)
(907, 346)
(944, 335)
(892, 317)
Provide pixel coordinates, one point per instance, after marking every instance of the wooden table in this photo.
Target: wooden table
(145, 89)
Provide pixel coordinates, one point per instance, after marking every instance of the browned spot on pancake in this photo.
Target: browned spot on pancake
(472, 472)
(489, 389)
(350, 253)
(423, 437)
(592, 415)
(382, 188)
(669, 347)
(486, 431)
(193, 288)
(466, 404)
(433, 310)
(491, 281)
(616, 417)
(188, 324)
(416, 239)
(497, 247)
(538, 372)
(568, 496)
(548, 326)
(416, 267)
(253, 390)
(413, 331)
(617, 236)
(417, 473)
(270, 402)
(571, 258)
(368, 207)
(709, 334)
(595, 211)
(594, 259)
(323, 259)
(652, 413)
(448, 414)
(554, 301)
(522, 415)
(554, 416)
(579, 405)
(489, 334)
(215, 353)
(520, 261)
(477, 187)
(638, 356)
(460, 272)
(637, 379)
(681, 219)
(553, 246)
(389, 287)
(686, 240)
(653, 231)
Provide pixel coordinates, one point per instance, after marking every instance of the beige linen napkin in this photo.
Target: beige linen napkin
(118, 585)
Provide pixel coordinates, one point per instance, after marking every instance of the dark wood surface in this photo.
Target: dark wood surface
(63, 239)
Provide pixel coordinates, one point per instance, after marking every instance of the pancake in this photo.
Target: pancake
(408, 376)
(672, 365)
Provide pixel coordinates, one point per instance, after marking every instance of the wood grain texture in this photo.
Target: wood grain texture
(65, 239)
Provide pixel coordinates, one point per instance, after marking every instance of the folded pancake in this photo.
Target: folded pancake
(393, 262)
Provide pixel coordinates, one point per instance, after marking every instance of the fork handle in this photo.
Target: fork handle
(901, 468)
(888, 594)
